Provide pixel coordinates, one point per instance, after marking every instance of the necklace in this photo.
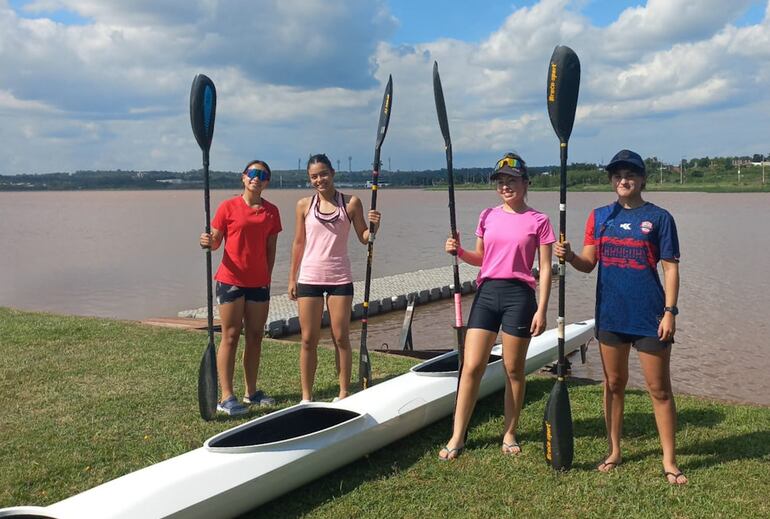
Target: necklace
(327, 217)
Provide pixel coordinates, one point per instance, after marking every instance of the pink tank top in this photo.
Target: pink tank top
(325, 259)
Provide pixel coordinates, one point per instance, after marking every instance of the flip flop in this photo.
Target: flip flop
(508, 448)
(458, 451)
(605, 463)
(676, 476)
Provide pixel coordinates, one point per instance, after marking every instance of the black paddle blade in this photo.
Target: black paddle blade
(207, 383)
(387, 101)
(562, 90)
(438, 94)
(558, 437)
(203, 108)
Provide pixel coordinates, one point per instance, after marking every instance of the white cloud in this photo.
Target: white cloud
(295, 77)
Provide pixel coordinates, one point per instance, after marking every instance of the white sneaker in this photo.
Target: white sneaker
(258, 398)
(232, 407)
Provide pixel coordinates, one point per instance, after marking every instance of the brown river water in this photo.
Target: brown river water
(134, 255)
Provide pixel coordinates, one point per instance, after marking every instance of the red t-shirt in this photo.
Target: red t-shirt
(245, 232)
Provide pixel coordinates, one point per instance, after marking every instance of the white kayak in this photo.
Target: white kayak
(248, 465)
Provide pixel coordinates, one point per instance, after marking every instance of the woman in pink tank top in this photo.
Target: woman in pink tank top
(320, 267)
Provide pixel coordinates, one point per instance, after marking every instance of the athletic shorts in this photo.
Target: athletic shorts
(229, 293)
(308, 290)
(507, 302)
(640, 342)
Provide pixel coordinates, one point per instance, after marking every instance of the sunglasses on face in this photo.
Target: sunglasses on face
(510, 183)
(511, 162)
(259, 174)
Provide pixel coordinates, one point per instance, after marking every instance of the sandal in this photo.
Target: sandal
(676, 476)
(457, 450)
(611, 465)
(511, 448)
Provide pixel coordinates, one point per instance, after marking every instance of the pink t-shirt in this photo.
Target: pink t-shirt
(510, 243)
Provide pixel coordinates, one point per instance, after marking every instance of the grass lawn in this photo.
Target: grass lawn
(86, 400)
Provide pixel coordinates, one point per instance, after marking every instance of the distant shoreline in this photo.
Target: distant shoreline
(590, 188)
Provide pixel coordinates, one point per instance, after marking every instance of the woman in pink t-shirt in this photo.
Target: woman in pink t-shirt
(320, 266)
(507, 238)
(249, 226)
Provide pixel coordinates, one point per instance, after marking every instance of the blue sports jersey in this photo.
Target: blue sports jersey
(629, 243)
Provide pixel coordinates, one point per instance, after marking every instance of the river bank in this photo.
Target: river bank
(89, 399)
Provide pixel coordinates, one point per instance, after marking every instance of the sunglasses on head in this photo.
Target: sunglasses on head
(257, 173)
(511, 162)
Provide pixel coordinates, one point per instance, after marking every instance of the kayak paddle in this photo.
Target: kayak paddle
(203, 107)
(443, 123)
(364, 364)
(562, 94)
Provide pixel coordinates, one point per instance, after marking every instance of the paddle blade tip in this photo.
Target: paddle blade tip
(438, 95)
(563, 85)
(207, 384)
(558, 435)
(203, 106)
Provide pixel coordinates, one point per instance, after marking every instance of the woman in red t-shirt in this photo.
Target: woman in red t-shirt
(249, 226)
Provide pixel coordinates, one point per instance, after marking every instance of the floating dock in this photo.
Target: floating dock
(386, 294)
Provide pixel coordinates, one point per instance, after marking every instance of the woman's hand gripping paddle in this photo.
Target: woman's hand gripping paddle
(364, 364)
(438, 94)
(203, 107)
(562, 94)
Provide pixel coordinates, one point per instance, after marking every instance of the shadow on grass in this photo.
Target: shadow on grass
(400, 456)
(395, 458)
(749, 446)
(392, 459)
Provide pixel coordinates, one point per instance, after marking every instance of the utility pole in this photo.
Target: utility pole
(763, 170)
(660, 166)
(681, 172)
(389, 168)
(338, 164)
(350, 164)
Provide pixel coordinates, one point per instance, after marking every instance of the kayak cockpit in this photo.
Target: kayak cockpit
(25, 512)
(290, 424)
(446, 363)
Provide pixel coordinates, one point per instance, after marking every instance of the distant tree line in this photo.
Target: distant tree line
(702, 169)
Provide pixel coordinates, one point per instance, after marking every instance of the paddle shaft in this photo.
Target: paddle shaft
(561, 365)
(458, 326)
(209, 292)
(364, 364)
(364, 368)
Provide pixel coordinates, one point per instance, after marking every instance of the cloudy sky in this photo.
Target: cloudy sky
(104, 84)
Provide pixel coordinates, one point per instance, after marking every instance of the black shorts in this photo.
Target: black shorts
(640, 342)
(229, 293)
(307, 290)
(507, 302)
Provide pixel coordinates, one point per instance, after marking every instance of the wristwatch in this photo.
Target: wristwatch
(673, 309)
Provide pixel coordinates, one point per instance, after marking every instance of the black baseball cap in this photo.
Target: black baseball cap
(627, 158)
